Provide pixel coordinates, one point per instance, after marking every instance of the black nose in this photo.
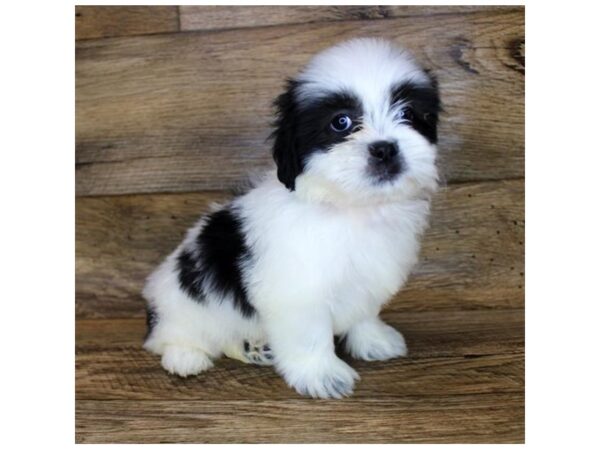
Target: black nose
(383, 150)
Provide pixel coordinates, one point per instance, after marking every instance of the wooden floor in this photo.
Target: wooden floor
(173, 109)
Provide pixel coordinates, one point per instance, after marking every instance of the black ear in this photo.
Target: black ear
(285, 151)
(433, 102)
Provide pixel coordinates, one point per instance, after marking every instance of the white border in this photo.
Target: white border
(37, 180)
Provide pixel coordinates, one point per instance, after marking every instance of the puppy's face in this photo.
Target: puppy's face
(358, 125)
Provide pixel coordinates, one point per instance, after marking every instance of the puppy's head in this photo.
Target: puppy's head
(358, 125)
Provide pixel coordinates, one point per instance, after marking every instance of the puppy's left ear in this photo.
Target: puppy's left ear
(431, 104)
(285, 151)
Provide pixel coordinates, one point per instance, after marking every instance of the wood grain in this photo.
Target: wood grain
(462, 382)
(472, 255)
(191, 111)
(224, 17)
(164, 114)
(492, 418)
(457, 353)
(429, 334)
(107, 21)
(131, 373)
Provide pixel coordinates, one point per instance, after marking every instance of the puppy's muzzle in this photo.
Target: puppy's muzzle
(383, 151)
(385, 162)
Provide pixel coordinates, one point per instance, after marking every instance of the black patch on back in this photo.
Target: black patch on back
(191, 274)
(424, 104)
(151, 320)
(303, 129)
(215, 263)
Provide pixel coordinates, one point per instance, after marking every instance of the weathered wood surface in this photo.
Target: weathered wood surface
(191, 111)
(484, 347)
(472, 254)
(165, 114)
(133, 374)
(107, 21)
(463, 367)
(223, 17)
(491, 418)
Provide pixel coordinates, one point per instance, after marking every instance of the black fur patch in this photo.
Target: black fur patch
(215, 264)
(302, 130)
(151, 320)
(424, 106)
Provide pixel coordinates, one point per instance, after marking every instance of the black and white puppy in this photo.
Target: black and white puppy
(315, 249)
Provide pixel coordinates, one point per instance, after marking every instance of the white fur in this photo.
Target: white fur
(326, 257)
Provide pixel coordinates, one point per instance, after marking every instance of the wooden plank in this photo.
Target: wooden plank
(493, 418)
(223, 17)
(132, 373)
(429, 334)
(455, 353)
(472, 255)
(109, 21)
(191, 111)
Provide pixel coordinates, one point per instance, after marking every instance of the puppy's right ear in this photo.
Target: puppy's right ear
(285, 151)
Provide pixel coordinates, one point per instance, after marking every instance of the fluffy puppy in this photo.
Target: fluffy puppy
(317, 247)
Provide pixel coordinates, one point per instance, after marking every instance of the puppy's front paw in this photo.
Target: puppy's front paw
(375, 341)
(322, 377)
(184, 361)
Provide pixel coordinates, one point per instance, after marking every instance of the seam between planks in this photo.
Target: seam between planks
(482, 311)
(371, 399)
(179, 18)
(229, 191)
(509, 9)
(312, 22)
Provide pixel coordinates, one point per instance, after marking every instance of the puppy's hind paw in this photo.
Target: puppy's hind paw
(258, 353)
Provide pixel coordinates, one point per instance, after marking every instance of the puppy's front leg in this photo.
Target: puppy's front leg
(302, 341)
(373, 340)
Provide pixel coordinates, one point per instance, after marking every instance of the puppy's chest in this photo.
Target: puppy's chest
(370, 256)
(348, 259)
(374, 262)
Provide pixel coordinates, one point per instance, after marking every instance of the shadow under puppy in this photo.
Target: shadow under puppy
(316, 248)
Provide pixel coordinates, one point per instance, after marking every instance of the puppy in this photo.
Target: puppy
(317, 247)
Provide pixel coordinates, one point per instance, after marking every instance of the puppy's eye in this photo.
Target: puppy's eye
(341, 123)
(406, 114)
